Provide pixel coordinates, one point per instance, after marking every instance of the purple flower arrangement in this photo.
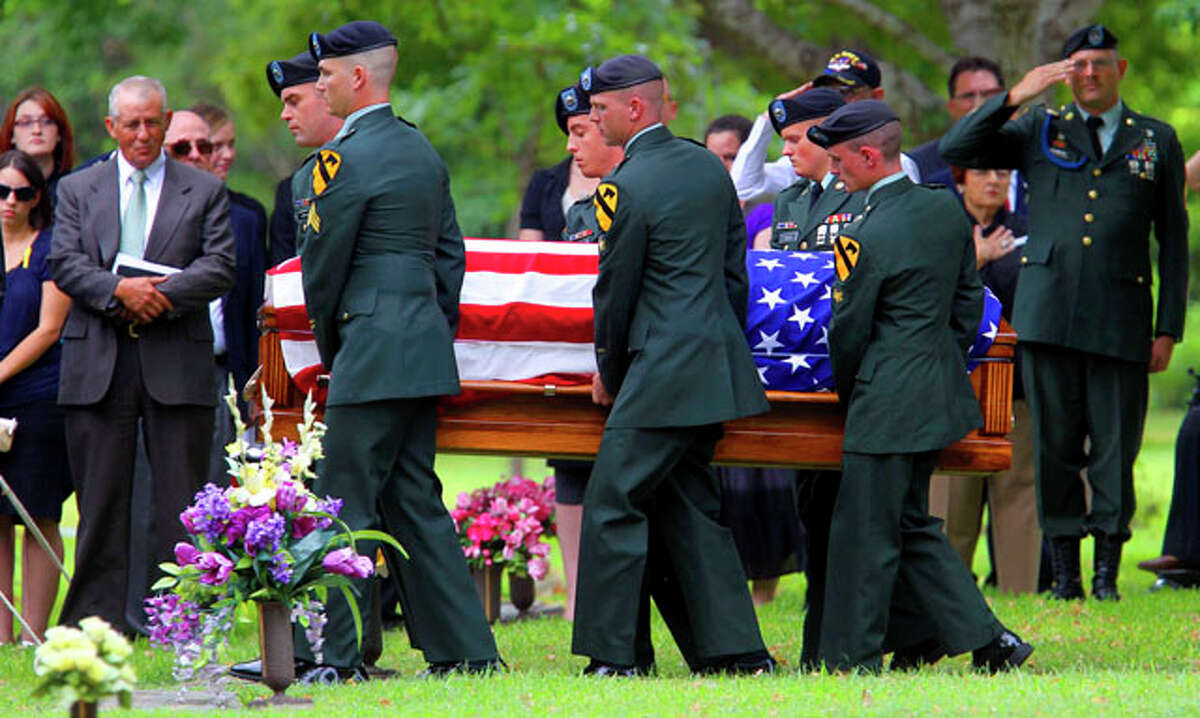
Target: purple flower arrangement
(507, 524)
(266, 537)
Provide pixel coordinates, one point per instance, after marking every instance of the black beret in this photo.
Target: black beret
(350, 39)
(299, 70)
(849, 121)
(1092, 37)
(850, 68)
(569, 102)
(618, 73)
(817, 102)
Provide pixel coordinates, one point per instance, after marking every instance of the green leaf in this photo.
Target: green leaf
(242, 563)
(164, 582)
(353, 603)
(169, 568)
(373, 535)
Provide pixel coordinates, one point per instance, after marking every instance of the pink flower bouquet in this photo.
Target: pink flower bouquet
(507, 524)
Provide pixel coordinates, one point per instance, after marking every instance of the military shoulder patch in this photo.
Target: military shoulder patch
(846, 253)
(325, 168)
(605, 202)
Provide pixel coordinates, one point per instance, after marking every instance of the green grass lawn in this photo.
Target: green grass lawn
(1140, 657)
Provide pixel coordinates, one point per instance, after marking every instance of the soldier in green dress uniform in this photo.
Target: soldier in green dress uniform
(673, 363)
(1100, 175)
(809, 214)
(383, 263)
(906, 307)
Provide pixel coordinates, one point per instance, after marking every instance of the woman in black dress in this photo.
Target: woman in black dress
(32, 312)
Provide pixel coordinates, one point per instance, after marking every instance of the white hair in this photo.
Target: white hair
(140, 84)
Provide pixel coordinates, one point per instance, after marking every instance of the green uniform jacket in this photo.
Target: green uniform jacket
(581, 224)
(670, 298)
(383, 263)
(794, 227)
(903, 321)
(1085, 274)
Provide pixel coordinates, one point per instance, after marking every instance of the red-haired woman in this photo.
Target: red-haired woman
(37, 125)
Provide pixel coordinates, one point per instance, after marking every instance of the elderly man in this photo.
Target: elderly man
(383, 266)
(136, 346)
(906, 306)
(673, 364)
(1100, 175)
(308, 118)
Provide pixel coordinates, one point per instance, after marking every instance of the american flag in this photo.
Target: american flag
(787, 322)
(526, 315)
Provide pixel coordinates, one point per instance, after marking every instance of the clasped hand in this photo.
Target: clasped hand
(141, 302)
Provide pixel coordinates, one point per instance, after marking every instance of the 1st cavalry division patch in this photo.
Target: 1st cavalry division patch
(324, 170)
(845, 256)
(605, 201)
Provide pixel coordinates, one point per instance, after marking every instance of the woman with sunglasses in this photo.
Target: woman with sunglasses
(32, 313)
(37, 125)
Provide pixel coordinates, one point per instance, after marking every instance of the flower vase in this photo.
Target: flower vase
(278, 650)
(84, 709)
(487, 585)
(521, 591)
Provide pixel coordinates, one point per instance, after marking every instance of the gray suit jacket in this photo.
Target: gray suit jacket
(191, 231)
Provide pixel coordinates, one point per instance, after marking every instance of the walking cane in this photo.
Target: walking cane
(8, 604)
(31, 527)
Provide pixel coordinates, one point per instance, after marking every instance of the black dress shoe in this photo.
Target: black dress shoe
(322, 675)
(743, 664)
(1006, 652)
(1064, 558)
(252, 670)
(601, 669)
(925, 653)
(1107, 564)
(442, 669)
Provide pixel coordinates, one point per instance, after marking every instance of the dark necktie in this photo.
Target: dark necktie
(1093, 125)
(814, 194)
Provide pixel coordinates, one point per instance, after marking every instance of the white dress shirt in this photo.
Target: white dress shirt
(154, 182)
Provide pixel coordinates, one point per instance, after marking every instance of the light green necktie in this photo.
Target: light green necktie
(133, 225)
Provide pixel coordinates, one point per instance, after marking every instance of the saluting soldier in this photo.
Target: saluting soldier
(383, 263)
(906, 307)
(809, 213)
(670, 300)
(1099, 176)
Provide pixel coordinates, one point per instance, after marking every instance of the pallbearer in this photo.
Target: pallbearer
(906, 307)
(670, 301)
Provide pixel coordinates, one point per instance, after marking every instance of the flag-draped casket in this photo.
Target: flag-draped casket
(525, 357)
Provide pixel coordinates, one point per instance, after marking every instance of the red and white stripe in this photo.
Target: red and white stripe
(525, 313)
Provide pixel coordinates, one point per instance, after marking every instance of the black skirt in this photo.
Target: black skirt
(36, 467)
(759, 507)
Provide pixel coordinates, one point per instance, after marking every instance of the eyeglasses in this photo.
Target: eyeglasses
(1097, 65)
(42, 123)
(24, 194)
(183, 148)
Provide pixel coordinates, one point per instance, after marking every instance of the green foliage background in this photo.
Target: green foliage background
(479, 78)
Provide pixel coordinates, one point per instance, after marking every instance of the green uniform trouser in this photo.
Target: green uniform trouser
(379, 461)
(891, 564)
(818, 492)
(650, 529)
(1075, 396)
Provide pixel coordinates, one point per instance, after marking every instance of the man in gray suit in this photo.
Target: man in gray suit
(136, 347)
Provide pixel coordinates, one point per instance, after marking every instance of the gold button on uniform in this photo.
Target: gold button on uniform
(1093, 194)
(1024, 260)
(1141, 279)
(1089, 217)
(1096, 172)
(1087, 241)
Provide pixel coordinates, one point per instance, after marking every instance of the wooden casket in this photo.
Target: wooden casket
(802, 430)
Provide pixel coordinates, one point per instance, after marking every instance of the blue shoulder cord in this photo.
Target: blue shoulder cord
(1050, 156)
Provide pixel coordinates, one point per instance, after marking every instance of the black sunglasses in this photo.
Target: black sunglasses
(183, 148)
(24, 194)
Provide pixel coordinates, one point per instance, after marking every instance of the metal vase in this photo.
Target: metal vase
(487, 585)
(521, 591)
(278, 651)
